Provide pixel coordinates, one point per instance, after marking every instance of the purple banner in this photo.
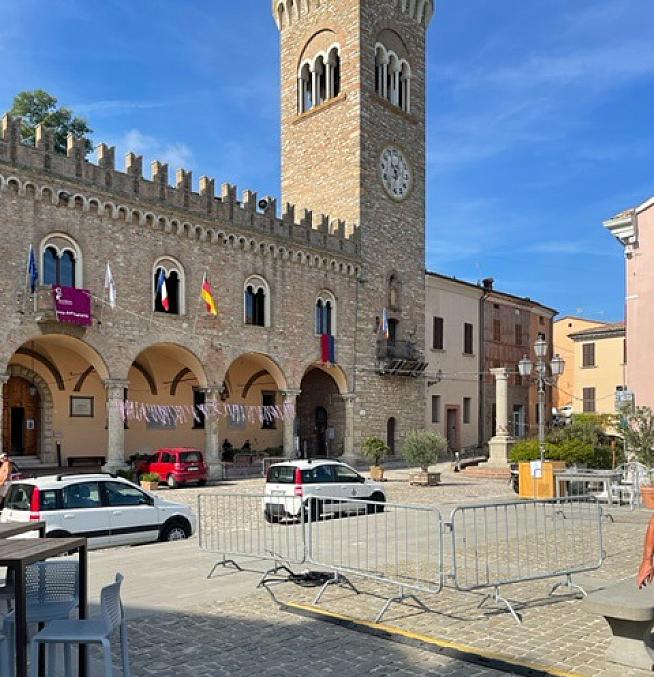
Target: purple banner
(72, 305)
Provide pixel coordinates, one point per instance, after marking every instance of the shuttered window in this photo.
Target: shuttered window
(468, 338)
(589, 355)
(437, 343)
(589, 400)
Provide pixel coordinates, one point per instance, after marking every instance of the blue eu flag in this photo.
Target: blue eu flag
(32, 270)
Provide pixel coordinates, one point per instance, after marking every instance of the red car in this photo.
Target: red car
(175, 466)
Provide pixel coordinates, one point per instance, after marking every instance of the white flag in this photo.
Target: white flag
(110, 286)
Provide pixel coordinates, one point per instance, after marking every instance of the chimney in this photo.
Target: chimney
(488, 283)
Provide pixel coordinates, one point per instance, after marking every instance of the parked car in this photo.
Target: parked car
(175, 467)
(105, 509)
(291, 485)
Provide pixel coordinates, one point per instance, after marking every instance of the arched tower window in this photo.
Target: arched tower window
(319, 79)
(168, 286)
(326, 314)
(256, 302)
(61, 261)
(393, 77)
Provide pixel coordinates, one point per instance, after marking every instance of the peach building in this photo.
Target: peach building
(634, 228)
(565, 347)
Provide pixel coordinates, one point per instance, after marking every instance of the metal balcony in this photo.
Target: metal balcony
(399, 358)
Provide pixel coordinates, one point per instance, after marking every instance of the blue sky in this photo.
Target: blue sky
(538, 124)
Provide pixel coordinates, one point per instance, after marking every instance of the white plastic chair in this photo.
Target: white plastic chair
(52, 590)
(96, 630)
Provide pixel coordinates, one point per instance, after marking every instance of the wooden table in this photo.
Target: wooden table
(9, 529)
(17, 555)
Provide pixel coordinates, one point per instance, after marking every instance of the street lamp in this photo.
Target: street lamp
(556, 367)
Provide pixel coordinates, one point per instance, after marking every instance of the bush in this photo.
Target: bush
(150, 477)
(423, 448)
(374, 449)
(127, 474)
(273, 452)
(526, 450)
(571, 451)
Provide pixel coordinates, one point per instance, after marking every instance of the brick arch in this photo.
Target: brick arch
(46, 409)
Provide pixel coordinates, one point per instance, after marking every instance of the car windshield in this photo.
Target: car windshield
(282, 474)
(190, 457)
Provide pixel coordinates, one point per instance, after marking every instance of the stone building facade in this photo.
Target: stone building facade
(353, 135)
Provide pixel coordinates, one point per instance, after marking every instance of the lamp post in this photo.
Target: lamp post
(542, 378)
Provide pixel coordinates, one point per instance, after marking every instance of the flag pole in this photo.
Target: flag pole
(197, 307)
(104, 295)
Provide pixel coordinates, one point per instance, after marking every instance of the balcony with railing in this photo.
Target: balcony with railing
(399, 358)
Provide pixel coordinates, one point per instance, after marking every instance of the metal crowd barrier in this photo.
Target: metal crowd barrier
(503, 543)
(492, 545)
(385, 542)
(234, 526)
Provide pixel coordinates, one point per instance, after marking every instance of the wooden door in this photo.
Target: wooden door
(20, 418)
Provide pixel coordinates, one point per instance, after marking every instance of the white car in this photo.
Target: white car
(105, 509)
(313, 483)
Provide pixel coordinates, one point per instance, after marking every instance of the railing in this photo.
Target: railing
(397, 350)
(492, 545)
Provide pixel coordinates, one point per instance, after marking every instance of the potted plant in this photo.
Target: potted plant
(638, 429)
(422, 449)
(150, 481)
(374, 450)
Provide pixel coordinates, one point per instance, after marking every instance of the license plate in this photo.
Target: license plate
(278, 493)
(193, 468)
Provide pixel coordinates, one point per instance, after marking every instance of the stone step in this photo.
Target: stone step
(488, 472)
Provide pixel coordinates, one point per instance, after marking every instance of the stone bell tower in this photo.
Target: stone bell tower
(353, 91)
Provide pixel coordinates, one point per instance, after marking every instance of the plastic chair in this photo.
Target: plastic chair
(52, 590)
(96, 630)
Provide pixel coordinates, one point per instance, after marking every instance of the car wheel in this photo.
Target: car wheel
(202, 483)
(316, 510)
(172, 482)
(176, 531)
(379, 500)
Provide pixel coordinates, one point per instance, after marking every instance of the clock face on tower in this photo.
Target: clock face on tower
(395, 173)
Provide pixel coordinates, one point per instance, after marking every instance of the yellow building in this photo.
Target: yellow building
(599, 371)
(565, 347)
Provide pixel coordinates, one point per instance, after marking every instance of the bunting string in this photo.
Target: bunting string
(175, 414)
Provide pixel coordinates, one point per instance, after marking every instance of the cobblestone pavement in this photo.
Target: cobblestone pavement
(249, 637)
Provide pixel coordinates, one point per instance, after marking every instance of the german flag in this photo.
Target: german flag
(207, 296)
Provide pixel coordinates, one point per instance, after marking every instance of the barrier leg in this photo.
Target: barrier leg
(399, 598)
(271, 572)
(337, 579)
(498, 599)
(570, 585)
(224, 563)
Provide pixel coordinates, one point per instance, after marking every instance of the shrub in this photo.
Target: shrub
(374, 449)
(127, 474)
(571, 451)
(526, 450)
(150, 477)
(639, 434)
(423, 448)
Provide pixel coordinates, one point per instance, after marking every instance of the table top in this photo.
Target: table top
(30, 550)
(9, 529)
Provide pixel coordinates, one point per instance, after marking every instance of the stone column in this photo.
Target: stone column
(329, 70)
(384, 87)
(115, 426)
(348, 442)
(290, 399)
(212, 447)
(500, 445)
(314, 86)
(3, 380)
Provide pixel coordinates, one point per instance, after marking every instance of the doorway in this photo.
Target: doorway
(519, 423)
(322, 419)
(390, 434)
(21, 417)
(452, 423)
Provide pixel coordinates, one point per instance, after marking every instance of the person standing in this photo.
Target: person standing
(5, 474)
(646, 572)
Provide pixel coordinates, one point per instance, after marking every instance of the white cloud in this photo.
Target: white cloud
(115, 106)
(175, 153)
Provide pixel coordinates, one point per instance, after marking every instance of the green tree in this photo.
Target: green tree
(423, 449)
(39, 107)
(639, 434)
(374, 449)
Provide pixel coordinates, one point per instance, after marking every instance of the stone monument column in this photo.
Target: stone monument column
(348, 441)
(290, 421)
(500, 445)
(115, 426)
(4, 378)
(212, 449)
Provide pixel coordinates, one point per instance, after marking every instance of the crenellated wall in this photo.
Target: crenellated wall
(160, 205)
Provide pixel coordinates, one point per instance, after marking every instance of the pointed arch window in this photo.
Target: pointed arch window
(325, 314)
(61, 261)
(256, 302)
(168, 285)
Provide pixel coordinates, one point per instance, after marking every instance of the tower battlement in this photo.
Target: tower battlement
(289, 12)
(252, 213)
